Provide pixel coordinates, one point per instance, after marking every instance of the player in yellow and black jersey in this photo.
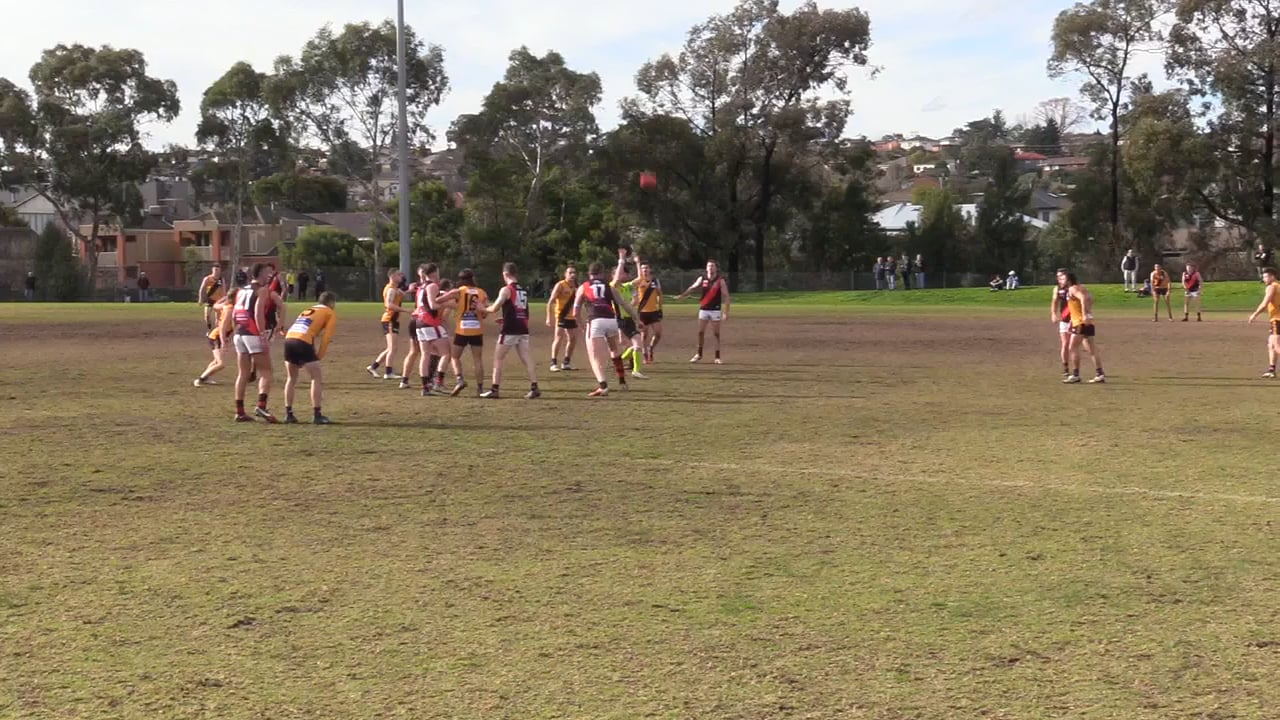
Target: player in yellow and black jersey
(1271, 304)
(392, 306)
(562, 316)
(304, 347)
(1083, 332)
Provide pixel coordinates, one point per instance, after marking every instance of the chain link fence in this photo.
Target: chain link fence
(363, 284)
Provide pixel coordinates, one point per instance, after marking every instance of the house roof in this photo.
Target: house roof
(255, 216)
(155, 222)
(358, 224)
(1045, 200)
(1029, 156)
(895, 217)
(1068, 161)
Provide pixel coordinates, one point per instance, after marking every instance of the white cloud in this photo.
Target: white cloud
(953, 62)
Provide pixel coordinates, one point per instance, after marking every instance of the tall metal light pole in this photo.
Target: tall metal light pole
(402, 141)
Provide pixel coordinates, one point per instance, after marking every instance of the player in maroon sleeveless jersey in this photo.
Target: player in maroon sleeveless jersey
(249, 319)
(513, 301)
(601, 303)
(1191, 286)
(432, 338)
(713, 305)
(1060, 314)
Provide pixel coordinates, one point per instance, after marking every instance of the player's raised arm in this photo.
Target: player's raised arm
(620, 268)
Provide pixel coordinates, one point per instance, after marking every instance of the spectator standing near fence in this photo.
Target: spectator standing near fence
(878, 270)
(904, 267)
(144, 287)
(303, 280)
(1262, 258)
(1129, 266)
(29, 286)
(891, 272)
(919, 268)
(319, 284)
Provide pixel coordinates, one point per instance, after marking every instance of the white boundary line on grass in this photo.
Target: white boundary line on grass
(1019, 484)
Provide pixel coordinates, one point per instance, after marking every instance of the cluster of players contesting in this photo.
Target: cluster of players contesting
(621, 314)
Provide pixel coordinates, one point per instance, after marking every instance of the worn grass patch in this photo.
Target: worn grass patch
(860, 515)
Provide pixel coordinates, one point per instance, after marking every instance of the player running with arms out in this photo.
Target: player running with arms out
(1060, 314)
(219, 339)
(628, 330)
(713, 306)
(602, 305)
(562, 316)
(1271, 304)
(1160, 289)
(432, 338)
(1080, 306)
(392, 302)
(211, 291)
(1191, 288)
(513, 303)
(469, 331)
(304, 347)
(249, 317)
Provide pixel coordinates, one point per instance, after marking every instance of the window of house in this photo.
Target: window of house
(107, 243)
(224, 238)
(197, 238)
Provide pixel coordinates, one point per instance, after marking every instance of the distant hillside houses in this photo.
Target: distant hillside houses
(896, 218)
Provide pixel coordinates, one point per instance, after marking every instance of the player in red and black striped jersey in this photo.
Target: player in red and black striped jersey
(1061, 314)
(1191, 285)
(713, 306)
(248, 321)
(513, 302)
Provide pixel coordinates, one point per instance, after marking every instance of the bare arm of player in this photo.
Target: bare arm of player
(1055, 312)
(578, 299)
(1266, 299)
(503, 294)
(281, 312)
(692, 287)
(724, 299)
(622, 266)
(204, 292)
(260, 311)
(1086, 302)
(226, 323)
(387, 295)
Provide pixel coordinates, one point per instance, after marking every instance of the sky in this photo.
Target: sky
(941, 64)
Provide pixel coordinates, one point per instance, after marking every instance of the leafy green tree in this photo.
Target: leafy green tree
(304, 193)
(942, 234)
(56, 267)
(756, 84)
(1100, 40)
(236, 122)
(1225, 51)
(436, 226)
(79, 139)
(999, 227)
(538, 117)
(324, 246)
(342, 89)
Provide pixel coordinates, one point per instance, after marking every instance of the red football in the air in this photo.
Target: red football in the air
(648, 181)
